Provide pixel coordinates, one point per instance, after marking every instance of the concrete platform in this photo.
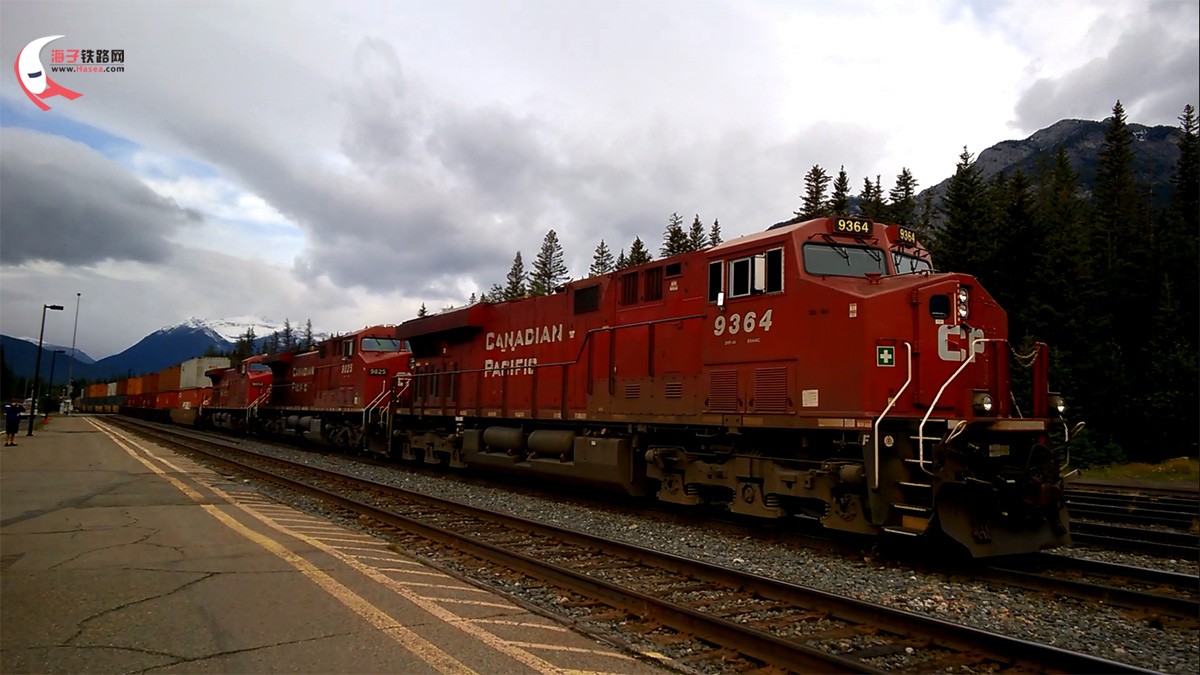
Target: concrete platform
(117, 555)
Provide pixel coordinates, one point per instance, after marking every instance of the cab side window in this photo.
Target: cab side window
(752, 275)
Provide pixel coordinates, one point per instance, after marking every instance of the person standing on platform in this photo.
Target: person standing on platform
(12, 422)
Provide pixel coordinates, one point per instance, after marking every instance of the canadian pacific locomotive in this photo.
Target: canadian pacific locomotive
(819, 368)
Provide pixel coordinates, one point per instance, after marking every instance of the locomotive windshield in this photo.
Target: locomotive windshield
(381, 345)
(843, 261)
(907, 264)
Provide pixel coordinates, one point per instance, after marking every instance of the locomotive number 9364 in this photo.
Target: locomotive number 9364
(742, 323)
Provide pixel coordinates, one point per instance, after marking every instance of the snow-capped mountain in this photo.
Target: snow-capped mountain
(165, 347)
(47, 348)
(230, 330)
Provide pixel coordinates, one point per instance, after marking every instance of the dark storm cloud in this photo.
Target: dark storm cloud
(1153, 72)
(63, 201)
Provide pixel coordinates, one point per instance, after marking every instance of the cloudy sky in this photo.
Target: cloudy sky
(345, 162)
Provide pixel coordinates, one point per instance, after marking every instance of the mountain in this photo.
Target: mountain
(1155, 152)
(80, 356)
(20, 354)
(161, 349)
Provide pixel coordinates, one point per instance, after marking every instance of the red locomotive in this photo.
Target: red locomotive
(819, 367)
(338, 393)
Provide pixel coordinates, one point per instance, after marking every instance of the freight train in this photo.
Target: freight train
(821, 368)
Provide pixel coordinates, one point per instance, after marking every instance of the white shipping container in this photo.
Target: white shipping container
(191, 373)
(112, 388)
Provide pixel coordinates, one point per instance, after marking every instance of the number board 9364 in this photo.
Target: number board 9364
(906, 236)
(852, 226)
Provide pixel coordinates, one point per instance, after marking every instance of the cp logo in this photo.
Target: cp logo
(958, 335)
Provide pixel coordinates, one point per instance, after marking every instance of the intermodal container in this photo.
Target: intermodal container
(168, 380)
(111, 389)
(133, 386)
(150, 383)
(192, 372)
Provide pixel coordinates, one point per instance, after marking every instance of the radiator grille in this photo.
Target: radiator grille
(723, 391)
(633, 391)
(770, 389)
(674, 390)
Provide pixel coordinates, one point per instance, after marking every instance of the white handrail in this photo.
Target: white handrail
(891, 404)
(921, 429)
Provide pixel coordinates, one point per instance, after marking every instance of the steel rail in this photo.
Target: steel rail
(760, 645)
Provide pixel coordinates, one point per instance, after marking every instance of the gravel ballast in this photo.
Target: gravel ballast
(1103, 631)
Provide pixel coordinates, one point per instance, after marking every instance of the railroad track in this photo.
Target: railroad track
(1179, 510)
(729, 617)
(1166, 543)
(1139, 588)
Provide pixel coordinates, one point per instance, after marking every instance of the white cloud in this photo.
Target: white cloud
(347, 162)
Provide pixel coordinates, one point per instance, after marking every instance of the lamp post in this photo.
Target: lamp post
(71, 363)
(50, 388)
(37, 366)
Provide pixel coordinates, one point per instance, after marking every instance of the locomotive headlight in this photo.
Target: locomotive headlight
(983, 403)
(963, 303)
(1057, 404)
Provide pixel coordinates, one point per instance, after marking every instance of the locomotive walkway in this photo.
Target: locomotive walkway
(120, 556)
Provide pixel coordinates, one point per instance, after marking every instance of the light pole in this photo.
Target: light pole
(37, 366)
(50, 389)
(71, 363)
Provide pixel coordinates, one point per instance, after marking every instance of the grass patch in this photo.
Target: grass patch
(1181, 469)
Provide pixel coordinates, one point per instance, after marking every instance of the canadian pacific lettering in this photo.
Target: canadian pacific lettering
(509, 340)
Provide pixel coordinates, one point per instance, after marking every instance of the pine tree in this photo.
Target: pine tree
(697, 239)
(870, 202)
(602, 260)
(549, 270)
(273, 343)
(622, 261)
(422, 311)
(472, 300)
(925, 217)
(638, 254)
(674, 238)
(515, 288)
(495, 294)
(815, 183)
(244, 347)
(309, 340)
(1016, 242)
(714, 233)
(1179, 252)
(288, 341)
(966, 231)
(904, 200)
(839, 201)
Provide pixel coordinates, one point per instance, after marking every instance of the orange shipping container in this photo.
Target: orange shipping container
(168, 380)
(97, 390)
(150, 383)
(133, 386)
